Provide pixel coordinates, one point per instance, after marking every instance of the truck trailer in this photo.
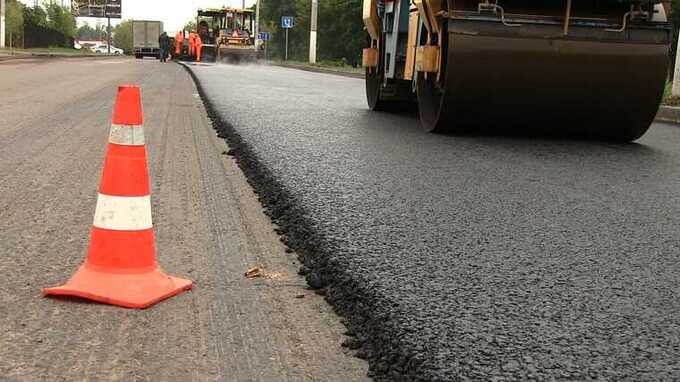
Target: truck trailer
(592, 68)
(145, 35)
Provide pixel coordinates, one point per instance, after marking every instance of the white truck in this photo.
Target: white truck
(145, 38)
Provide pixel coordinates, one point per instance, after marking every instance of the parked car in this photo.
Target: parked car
(103, 48)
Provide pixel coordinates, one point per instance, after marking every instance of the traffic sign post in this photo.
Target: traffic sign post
(265, 36)
(287, 22)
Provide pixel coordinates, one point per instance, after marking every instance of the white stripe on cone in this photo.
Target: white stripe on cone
(129, 135)
(123, 213)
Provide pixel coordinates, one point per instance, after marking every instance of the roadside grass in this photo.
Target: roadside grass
(668, 98)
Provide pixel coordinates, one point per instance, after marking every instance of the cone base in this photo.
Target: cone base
(139, 290)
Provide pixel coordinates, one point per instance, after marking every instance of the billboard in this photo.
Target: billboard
(96, 8)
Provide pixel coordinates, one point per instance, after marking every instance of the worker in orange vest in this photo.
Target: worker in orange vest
(192, 43)
(199, 46)
(179, 38)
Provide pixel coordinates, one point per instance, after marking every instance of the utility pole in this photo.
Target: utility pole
(312, 32)
(108, 35)
(256, 29)
(2, 23)
(675, 90)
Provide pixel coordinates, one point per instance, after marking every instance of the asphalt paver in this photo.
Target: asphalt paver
(465, 257)
(54, 123)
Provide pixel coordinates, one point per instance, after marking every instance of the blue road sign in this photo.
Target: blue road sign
(287, 22)
(265, 36)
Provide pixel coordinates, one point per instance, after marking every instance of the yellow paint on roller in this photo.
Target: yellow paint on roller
(369, 58)
(427, 58)
(411, 45)
(371, 20)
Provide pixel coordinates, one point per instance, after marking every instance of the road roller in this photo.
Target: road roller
(227, 34)
(592, 68)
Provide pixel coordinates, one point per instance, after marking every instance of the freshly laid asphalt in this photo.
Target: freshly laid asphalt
(465, 257)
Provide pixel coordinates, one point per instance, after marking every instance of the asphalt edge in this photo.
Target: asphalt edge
(668, 114)
(315, 69)
(368, 330)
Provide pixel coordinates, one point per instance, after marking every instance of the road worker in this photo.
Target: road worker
(179, 39)
(164, 45)
(192, 43)
(198, 43)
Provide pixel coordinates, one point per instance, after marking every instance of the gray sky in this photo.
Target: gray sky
(173, 13)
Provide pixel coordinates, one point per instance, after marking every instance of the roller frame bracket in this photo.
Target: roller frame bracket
(420, 5)
(427, 59)
(434, 8)
(371, 19)
(369, 58)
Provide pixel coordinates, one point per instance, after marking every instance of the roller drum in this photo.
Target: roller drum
(237, 55)
(603, 89)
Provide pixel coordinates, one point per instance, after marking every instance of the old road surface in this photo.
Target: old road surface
(466, 257)
(54, 123)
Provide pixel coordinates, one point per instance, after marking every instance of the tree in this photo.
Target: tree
(340, 35)
(47, 26)
(341, 30)
(35, 16)
(270, 13)
(122, 36)
(190, 25)
(86, 32)
(14, 20)
(60, 19)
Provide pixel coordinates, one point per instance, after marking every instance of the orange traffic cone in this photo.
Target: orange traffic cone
(121, 267)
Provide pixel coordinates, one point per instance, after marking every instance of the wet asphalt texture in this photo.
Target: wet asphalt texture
(465, 257)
